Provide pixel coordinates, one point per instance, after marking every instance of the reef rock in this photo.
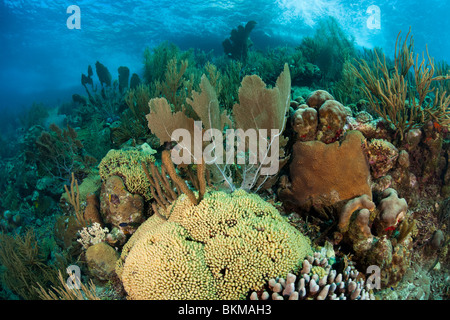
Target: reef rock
(101, 259)
(119, 207)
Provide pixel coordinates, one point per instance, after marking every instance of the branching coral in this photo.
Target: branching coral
(60, 153)
(92, 235)
(176, 87)
(133, 122)
(220, 249)
(24, 265)
(317, 281)
(390, 96)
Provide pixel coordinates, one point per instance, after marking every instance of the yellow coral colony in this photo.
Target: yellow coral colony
(127, 165)
(222, 248)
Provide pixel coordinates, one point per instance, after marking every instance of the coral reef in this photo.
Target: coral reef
(361, 153)
(225, 246)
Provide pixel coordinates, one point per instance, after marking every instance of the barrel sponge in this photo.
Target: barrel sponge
(127, 165)
(222, 248)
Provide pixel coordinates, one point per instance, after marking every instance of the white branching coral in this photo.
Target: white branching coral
(92, 235)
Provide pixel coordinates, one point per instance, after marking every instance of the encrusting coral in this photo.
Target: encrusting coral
(222, 248)
(127, 165)
(119, 207)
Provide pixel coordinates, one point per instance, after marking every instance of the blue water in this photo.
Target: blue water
(42, 60)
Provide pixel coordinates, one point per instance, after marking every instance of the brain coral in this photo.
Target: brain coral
(127, 165)
(222, 248)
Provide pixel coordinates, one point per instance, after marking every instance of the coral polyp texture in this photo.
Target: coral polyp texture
(222, 248)
(127, 164)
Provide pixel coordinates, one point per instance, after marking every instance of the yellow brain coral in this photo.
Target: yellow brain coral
(127, 165)
(222, 248)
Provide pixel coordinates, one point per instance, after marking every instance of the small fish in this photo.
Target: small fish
(391, 228)
(437, 126)
(129, 224)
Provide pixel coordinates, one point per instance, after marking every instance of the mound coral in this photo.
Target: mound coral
(379, 235)
(222, 248)
(393, 209)
(382, 156)
(101, 260)
(332, 118)
(304, 122)
(323, 174)
(127, 164)
(317, 98)
(321, 118)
